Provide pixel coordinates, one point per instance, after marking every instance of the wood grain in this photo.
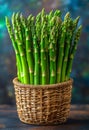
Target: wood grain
(78, 120)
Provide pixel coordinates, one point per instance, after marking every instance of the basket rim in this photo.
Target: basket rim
(66, 83)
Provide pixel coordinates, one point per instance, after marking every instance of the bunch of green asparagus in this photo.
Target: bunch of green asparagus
(44, 46)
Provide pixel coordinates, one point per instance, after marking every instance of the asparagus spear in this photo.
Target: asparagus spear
(38, 27)
(37, 61)
(47, 32)
(43, 48)
(57, 13)
(66, 49)
(38, 39)
(73, 29)
(54, 22)
(29, 20)
(70, 60)
(18, 60)
(16, 26)
(29, 51)
(61, 47)
(75, 24)
(50, 15)
(52, 51)
(43, 57)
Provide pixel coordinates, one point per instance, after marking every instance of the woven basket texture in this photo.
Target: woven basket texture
(43, 104)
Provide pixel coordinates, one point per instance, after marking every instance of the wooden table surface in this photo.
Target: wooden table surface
(78, 120)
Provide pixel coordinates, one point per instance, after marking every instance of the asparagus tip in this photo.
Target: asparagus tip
(7, 21)
(67, 15)
(78, 18)
(29, 17)
(80, 28)
(57, 13)
(43, 12)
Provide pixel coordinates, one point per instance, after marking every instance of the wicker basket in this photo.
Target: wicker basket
(38, 104)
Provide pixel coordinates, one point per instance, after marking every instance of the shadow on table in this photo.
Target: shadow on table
(77, 121)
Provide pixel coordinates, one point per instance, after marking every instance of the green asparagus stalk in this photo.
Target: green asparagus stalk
(47, 50)
(19, 26)
(52, 51)
(36, 61)
(22, 31)
(29, 20)
(61, 47)
(66, 49)
(75, 24)
(38, 27)
(38, 36)
(50, 15)
(73, 27)
(21, 49)
(43, 49)
(10, 31)
(29, 51)
(43, 57)
(70, 60)
(33, 25)
(20, 63)
(46, 39)
(54, 21)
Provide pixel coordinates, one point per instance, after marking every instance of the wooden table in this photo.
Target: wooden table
(78, 120)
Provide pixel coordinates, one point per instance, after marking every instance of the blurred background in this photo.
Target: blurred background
(80, 70)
